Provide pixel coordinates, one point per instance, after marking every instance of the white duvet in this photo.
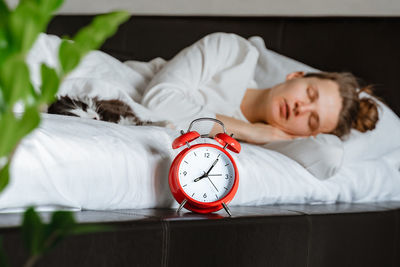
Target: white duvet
(76, 163)
(85, 164)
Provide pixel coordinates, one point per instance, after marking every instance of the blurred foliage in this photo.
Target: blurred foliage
(19, 29)
(40, 237)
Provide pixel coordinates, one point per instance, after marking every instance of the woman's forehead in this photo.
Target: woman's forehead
(329, 104)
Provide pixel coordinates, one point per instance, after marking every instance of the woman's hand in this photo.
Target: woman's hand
(254, 133)
(261, 133)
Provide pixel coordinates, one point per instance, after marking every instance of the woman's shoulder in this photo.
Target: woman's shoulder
(224, 41)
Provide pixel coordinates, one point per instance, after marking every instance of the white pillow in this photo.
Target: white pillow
(321, 155)
(384, 139)
(313, 153)
(272, 67)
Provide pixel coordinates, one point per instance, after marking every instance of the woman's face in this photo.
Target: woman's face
(304, 106)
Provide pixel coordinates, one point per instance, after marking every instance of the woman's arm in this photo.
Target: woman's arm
(174, 92)
(255, 133)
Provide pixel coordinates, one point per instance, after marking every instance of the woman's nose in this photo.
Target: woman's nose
(301, 108)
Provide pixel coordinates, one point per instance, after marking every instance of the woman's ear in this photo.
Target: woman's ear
(296, 74)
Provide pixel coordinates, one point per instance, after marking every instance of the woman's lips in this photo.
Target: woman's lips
(287, 110)
(284, 109)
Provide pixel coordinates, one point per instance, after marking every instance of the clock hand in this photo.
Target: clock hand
(215, 162)
(201, 177)
(212, 184)
(206, 174)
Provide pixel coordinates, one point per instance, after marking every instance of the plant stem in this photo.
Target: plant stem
(32, 260)
(47, 244)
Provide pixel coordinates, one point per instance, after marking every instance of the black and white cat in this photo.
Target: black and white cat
(93, 108)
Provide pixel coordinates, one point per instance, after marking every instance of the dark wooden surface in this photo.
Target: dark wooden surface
(342, 234)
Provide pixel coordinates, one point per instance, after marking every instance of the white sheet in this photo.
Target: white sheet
(85, 164)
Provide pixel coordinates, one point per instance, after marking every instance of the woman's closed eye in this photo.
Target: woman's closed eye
(313, 122)
(312, 93)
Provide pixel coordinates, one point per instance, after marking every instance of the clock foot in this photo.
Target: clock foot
(181, 205)
(226, 209)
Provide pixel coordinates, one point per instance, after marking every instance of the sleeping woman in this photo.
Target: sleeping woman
(214, 78)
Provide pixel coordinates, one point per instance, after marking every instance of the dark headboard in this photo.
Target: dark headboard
(367, 47)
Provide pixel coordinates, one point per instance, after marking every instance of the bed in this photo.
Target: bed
(290, 218)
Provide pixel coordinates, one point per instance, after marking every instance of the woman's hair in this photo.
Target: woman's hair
(358, 113)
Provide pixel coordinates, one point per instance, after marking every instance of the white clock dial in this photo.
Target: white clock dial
(202, 187)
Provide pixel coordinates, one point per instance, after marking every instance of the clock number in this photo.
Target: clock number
(207, 155)
(226, 176)
(205, 195)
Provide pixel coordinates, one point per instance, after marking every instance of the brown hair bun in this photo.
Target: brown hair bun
(367, 116)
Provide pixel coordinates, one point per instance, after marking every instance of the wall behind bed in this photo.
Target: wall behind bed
(236, 7)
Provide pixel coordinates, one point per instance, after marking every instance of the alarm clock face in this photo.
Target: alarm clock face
(206, 174)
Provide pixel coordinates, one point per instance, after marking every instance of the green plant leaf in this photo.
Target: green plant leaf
(14, 129)
(29, 121)
(15, 79)
(49, 6)
(50, 83)
(3, 39)
(29, 19)
(89, 38)
(33, 232)
(3, 104)
(4, 12)
(25, 24)
(4, 174)
(61, 224)
(102, 27)
(4, 45)
(7, 140)
(62, 221)
(69, 55)
(3, 258)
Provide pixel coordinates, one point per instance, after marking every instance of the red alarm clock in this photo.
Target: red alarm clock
(203, 177)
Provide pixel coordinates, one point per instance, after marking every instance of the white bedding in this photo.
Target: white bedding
(77, 163)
